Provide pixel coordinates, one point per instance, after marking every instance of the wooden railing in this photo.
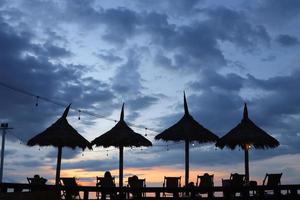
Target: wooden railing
(281, 192)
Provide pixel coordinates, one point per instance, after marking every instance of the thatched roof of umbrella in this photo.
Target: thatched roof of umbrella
(247, 133)
(121, 135)
(187, 129)
(60, 134)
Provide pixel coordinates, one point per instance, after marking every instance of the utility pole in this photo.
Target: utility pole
(3, 127)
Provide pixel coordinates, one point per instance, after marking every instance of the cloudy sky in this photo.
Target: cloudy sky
(98, 54)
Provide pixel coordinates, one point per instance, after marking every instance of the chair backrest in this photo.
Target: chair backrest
(105, 182)
(69, 181)
(205, 181)
(237, 179)
(172, 182)
(135, 182)
(272, 179)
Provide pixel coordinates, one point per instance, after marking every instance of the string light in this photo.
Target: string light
(79, 111)
(161, 146)
(38, 98)
(37, 101)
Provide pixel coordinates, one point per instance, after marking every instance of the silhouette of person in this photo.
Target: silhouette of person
(38, 180)
(135, 182)
(107, 182)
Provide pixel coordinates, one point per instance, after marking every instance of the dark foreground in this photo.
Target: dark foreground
(13, 191)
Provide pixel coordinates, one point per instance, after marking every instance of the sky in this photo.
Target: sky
(99, 54)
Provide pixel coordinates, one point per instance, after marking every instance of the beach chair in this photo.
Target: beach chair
(207, 181)
(136, 183)
(235, 181)
(105, 182)
(172, 183)
(273, 180)
(70, 193)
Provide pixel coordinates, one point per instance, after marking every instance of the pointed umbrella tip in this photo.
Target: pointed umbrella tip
(245, 114)
(122, 113)
(65, 114)
(186, 109)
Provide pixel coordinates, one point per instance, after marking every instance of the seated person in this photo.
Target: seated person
(135, 182)
(108, 182)
(206, 181)
(35, 181)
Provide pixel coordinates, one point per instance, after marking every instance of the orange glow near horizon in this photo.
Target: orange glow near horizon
(154, 176)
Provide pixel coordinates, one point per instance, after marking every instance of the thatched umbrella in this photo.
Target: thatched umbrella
(187, 129)
(60, 134)
(121, 135)
(245, 135)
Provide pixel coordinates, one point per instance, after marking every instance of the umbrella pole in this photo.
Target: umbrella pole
(187, 163)
(2, 154)
(246, 164)
(59, 152)
(121, 167)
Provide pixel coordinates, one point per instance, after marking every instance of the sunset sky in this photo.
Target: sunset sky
(145, 53)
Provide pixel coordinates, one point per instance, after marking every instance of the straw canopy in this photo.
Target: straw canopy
(60, 134)
(187, 129)
(121, 135)
(247, 133)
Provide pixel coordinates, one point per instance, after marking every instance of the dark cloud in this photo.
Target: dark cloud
(213, 80)
(92, 165)
(278, 12)
(55, 51)
(176, 8)
(109, 57)
(234, 26)
(10, 152)
(287, 40)
(26, 65)
(193, 46)
(269, 58)
(67, 153)
(29, 163)
(127, 80)
(282, 97)
(118, 21)
(142, 102)
(139, 103)
(196, 46)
